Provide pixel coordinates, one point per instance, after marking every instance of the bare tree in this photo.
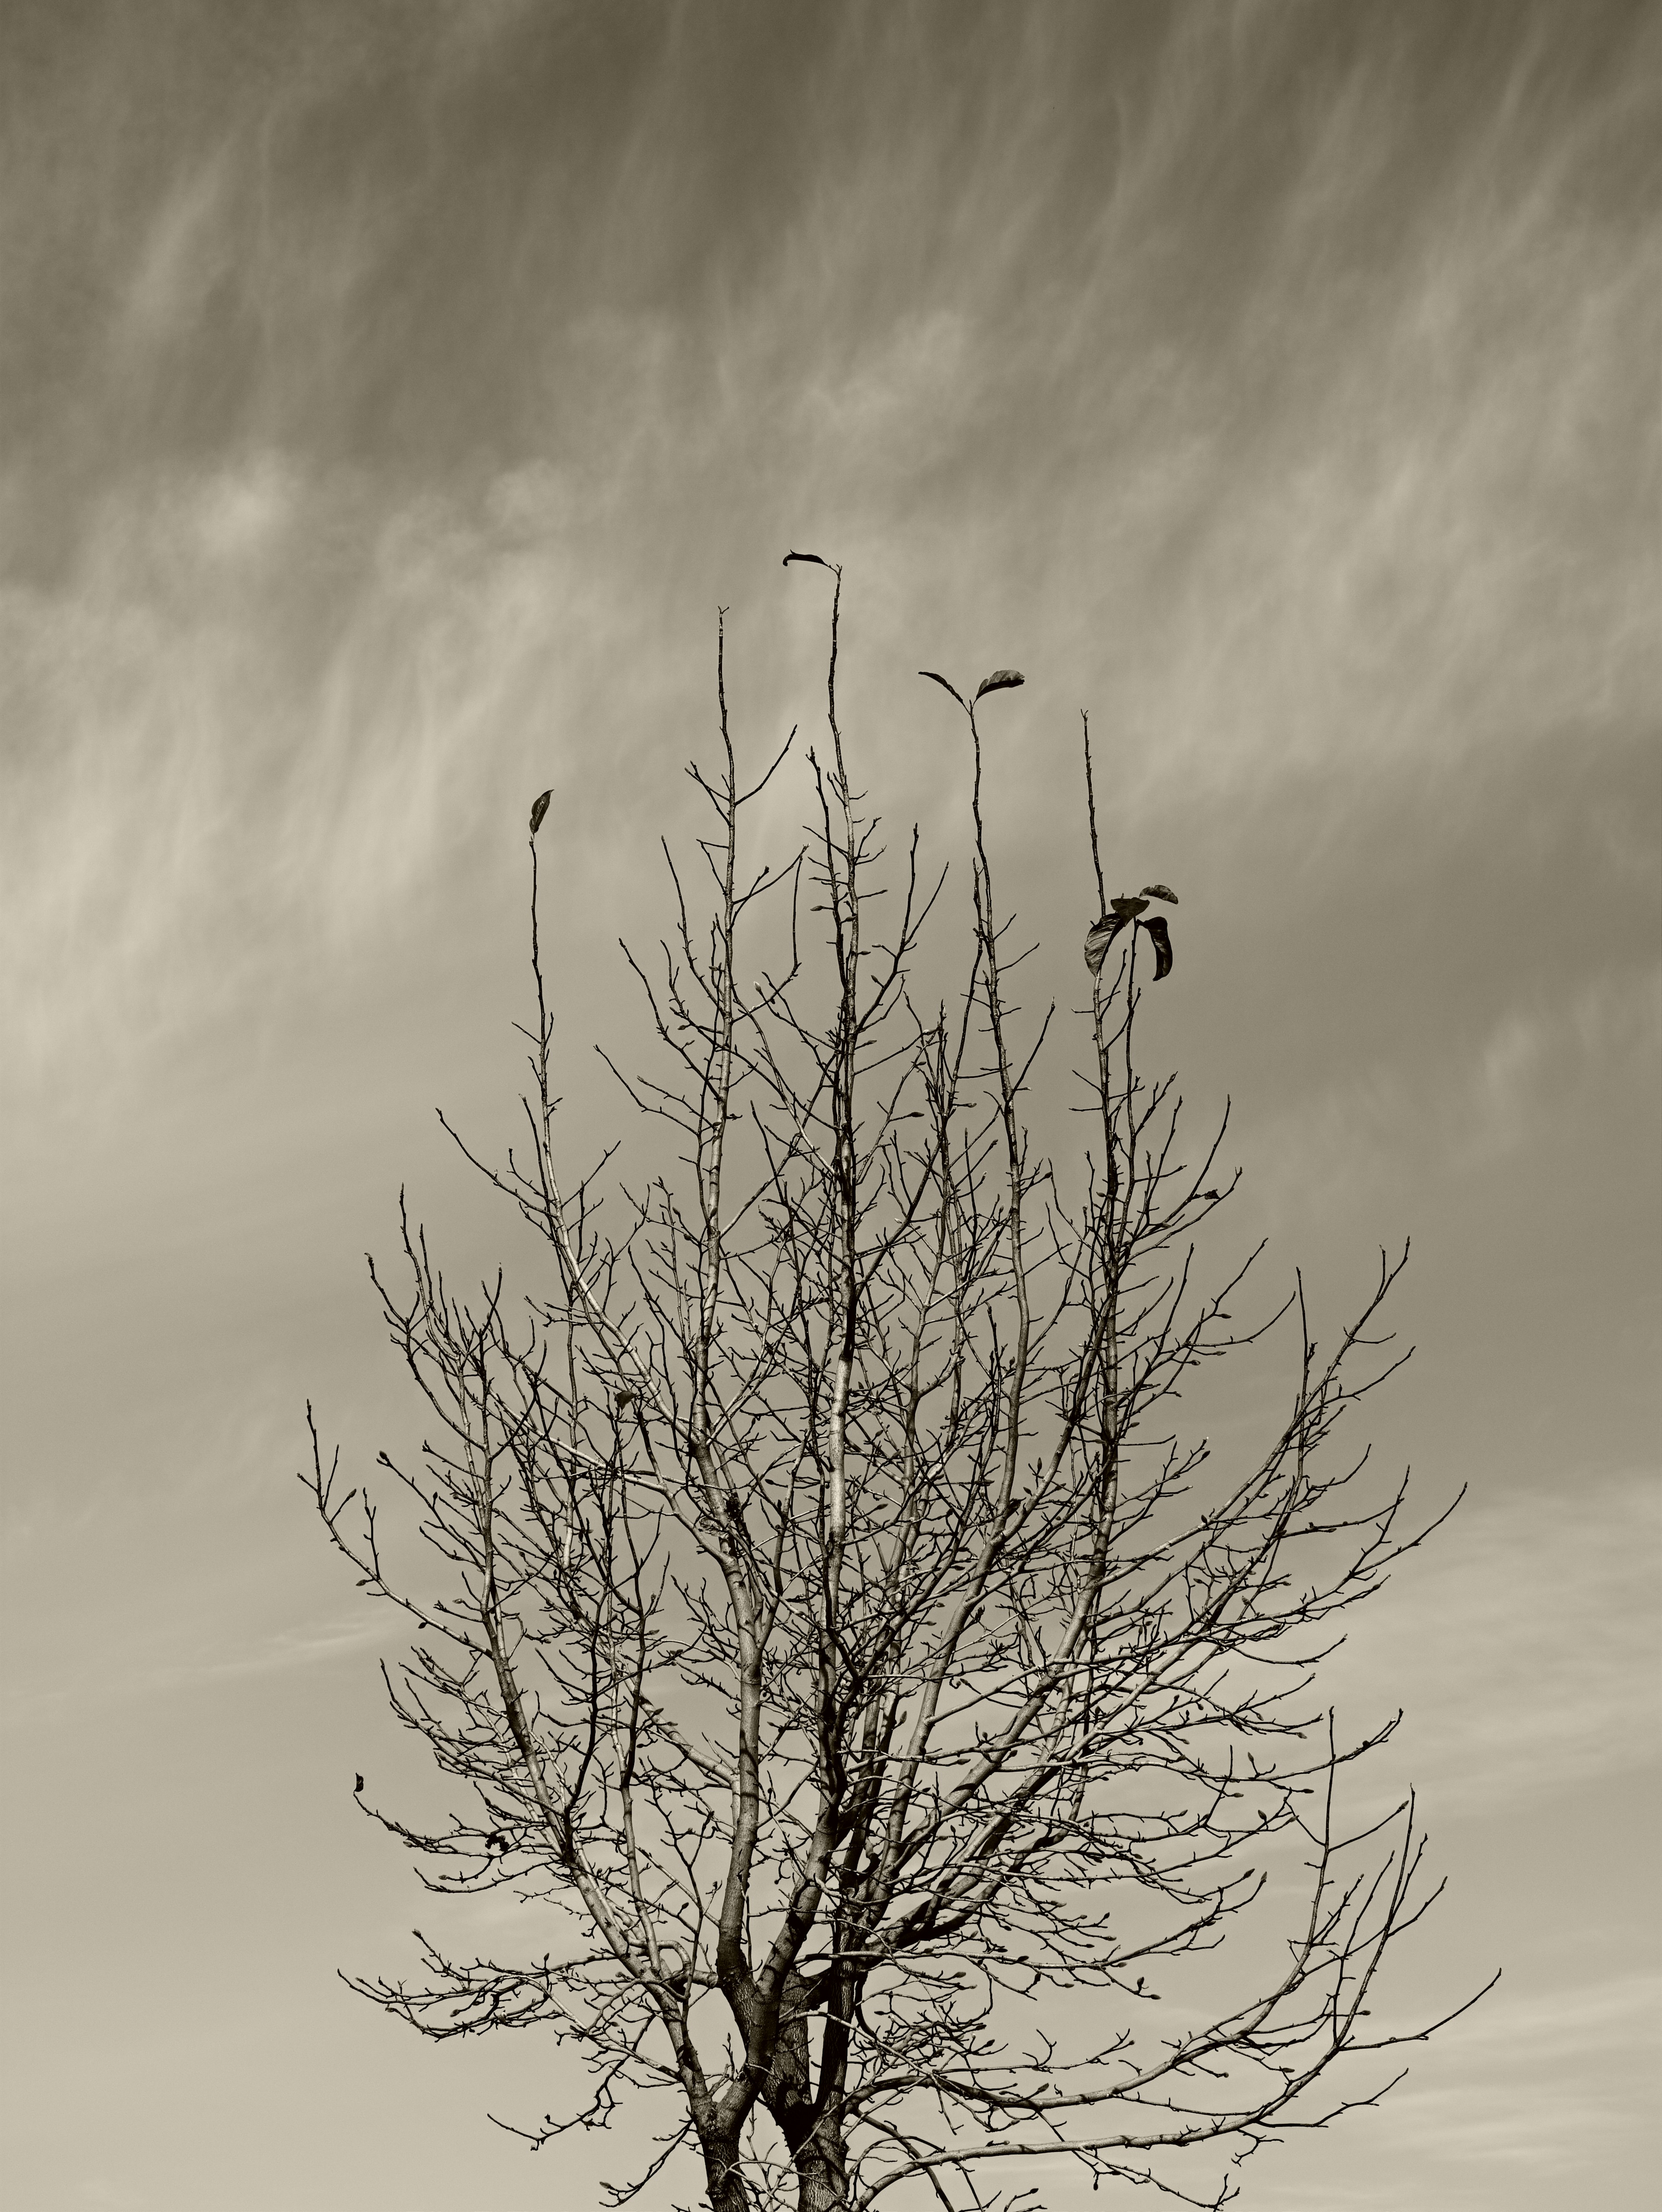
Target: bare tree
(867, 1693)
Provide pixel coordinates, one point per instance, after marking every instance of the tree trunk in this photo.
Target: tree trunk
(727, 2192)
(816, 2144)
(822, 2176)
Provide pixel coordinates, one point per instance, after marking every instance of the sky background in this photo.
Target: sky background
(392, 390)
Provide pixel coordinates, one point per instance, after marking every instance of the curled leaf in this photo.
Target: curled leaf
(1126, 907)
(1001, 679)
(540, 807)
(1162, 937)
(1160, 890)
(814, 557)
(1102, 935)
(945, 686)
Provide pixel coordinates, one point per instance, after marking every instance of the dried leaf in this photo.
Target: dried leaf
(945, 686)
(537, 811)
(814, 557)
(1101, 936)
(1001, 679)
(1160, 890)
(1162, 938)
(1126, 907)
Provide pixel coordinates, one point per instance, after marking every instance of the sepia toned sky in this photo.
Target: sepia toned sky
(392, 392)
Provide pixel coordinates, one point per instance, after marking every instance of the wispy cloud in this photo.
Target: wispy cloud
(184, 253)
(1520, 1644)
(1469, 1103)
(1541, 2097)
(162, 1669)
(204, 818)
(1349, 508)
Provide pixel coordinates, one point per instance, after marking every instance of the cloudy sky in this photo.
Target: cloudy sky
(394, 389)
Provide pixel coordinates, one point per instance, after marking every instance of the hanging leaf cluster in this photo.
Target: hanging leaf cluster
(1001, 679)
(1129, 913)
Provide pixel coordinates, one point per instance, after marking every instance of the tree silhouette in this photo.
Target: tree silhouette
(869, 1695)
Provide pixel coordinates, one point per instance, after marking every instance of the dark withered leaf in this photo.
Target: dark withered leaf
(1126, 907)
(814, 557)
(1001, 679)
(1160, 890)
(1101, 936)
(943, 684)
(539, 808)
(1162, 937)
